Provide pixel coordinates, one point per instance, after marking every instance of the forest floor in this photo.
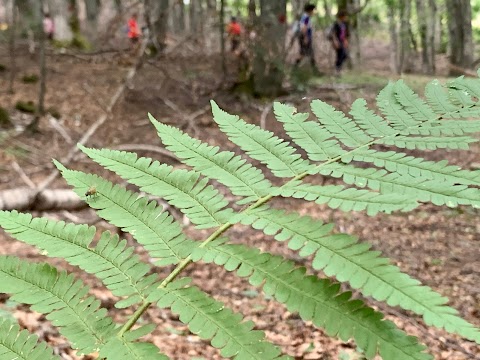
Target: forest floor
(436, 245)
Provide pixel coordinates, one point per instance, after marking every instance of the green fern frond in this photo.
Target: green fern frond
(343, 128)
(21, 345)
(152, 227)
(415, 188)
(347, 199)
(110, 260)
(342, 256)
(468, 85)
(79, 318)
(309, 135)
(404, 164)
(438, 99)
(429, 142)
(412, 103)
(448, 127)
(234, 172)
(316, 300)
(116, 349)
(460, 97)
(373, 124)
(397, 116)
(210, 319)
(261, 145)
(200, 202)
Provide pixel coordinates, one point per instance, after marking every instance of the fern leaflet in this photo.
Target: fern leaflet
(16, 344)
(110, 260)
(200, 202)
(152, 227)
(240, 177)
(342, 256)
(261, 145)
(316, 300)
(209, 319)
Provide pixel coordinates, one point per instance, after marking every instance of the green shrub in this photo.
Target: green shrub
(4, 118)
(30, 78)
(27, 107)
(376, 181)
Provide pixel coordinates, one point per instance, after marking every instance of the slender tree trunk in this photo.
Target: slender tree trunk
(461, 47)
(43, 67)
(92, 8)
(426, 26)
(269, 64)
(405, 48)
(392, 27)
(221, 27)
(209, 24)
(159, 23)
(328, 10)
(13, 29)
(118, 6)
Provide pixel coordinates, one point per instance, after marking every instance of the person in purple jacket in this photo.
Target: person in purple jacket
(339, 37)
(305, 36)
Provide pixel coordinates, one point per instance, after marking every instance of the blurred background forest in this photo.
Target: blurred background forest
(91, 84)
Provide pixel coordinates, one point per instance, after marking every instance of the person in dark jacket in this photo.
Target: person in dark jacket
(305, 36)
(339, 37)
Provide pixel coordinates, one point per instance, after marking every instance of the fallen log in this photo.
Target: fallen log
(58, 199)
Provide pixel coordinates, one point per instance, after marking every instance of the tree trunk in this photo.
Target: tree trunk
(43, 67)
(221, 27)
(426, 27)
(211, 19)
(405, 49)
(392, 27)
(269, 62)
(92, 9)
(158, 21)
(459, 13)
(178, 18)
(59, 12)
(297, 7)
(13, 29)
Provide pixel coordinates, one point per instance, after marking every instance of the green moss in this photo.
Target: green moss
(54, 112)
(27, 107)
(4, 118)
(30, 78)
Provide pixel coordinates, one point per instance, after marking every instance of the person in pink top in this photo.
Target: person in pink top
(48, 26)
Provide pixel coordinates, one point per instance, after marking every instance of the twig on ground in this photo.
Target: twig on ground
(60, 129)
(23, 176)
(263, 117)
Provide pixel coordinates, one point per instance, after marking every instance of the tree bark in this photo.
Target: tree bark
(459, 13)
(158, 21)
(269, 62)
(426, 27)
(43, 66)
(13, 29)
(92, 9)
(221, 27)
(392, 27)
(405, 49)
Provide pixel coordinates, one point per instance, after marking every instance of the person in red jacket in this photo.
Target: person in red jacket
(133, 29)
(234, 31)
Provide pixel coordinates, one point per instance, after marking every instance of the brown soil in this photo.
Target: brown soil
(439, 246)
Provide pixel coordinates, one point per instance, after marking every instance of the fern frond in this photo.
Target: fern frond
(412, 103)
(80, 319)
(342, 256)
(232, 171)
(261, 145)
(21, 345)
(316, 300)
(200, 202)
(343, 128)
(152, 227)
(415, 188)
(470, 86)
(309, 135)
(373, 124)
(110, 260)
(429, 142)
(404, 164)
(116, 349)
(347, 199)
(448, 127)
(397, 116)
(210, 319)
(438, 99)
(460, 97)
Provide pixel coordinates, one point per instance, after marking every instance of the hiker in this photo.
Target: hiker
(234, 31)
(295, 31)
(133, 30)
(48, 26)
(305, 37)
(339, 35)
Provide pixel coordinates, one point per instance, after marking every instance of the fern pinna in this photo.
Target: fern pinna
(376, 179)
